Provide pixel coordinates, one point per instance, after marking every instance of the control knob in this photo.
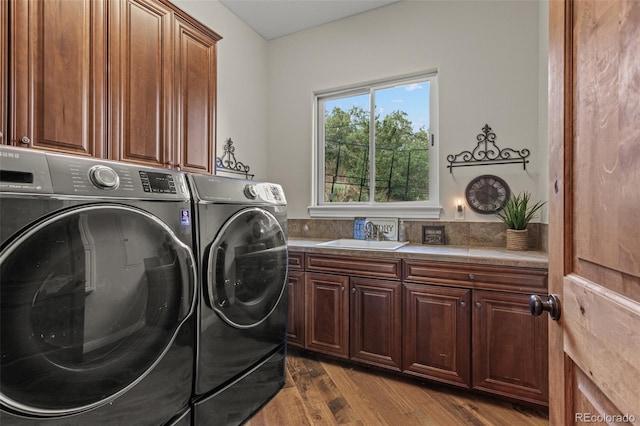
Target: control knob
(250, 191)
(104, 177)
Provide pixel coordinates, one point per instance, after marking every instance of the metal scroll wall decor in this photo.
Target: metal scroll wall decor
(228, 163)
(487, 152)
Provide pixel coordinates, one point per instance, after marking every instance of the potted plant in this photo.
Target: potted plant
(517, 213)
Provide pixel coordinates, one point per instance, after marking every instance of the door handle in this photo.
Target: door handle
(551, 305)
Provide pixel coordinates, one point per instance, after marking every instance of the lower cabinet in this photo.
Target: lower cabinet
(437, 333)
(355, 318)
(327, 314)
(375, 322)
(464, 325)
(509, 347)
(295, 313)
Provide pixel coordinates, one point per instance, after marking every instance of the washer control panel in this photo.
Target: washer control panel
(162, 183)
(94, 177)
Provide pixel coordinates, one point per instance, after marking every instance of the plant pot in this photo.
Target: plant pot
(517, 239)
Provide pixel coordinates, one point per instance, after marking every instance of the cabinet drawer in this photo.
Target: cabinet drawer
(476, 276)
(366, 267)
(296, 261)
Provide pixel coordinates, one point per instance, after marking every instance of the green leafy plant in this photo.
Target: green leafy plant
(517, 213)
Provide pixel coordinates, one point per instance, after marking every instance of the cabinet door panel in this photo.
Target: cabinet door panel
(327, 307)
(437, 333)
(141, 62)
(510, 346)
(4, 72)
(295, 319)
(376, 322)
(195, 98)
(58, 75)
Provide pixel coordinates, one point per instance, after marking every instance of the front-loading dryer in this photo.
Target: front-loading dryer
(97, 282)
(241, 246)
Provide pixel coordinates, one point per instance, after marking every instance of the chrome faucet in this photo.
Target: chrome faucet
(371, 231)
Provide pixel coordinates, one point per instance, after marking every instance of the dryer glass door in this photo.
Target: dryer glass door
(247, 268)
(91, 300)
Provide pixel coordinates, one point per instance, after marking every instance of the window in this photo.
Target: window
(376, 150)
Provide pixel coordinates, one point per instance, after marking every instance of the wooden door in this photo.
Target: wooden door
(376, 322)
(58, 75)
(327, 313)
(195, 97)
(437, 333)
(140, 82)
(509, 347)
(594, 225)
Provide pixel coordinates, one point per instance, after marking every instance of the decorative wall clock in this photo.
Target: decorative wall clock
(487, 194)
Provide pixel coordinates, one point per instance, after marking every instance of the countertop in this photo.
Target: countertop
(444, 253)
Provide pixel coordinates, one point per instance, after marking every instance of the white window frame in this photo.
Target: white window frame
(406, 209)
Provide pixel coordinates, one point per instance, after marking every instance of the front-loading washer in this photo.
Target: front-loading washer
(97, 282)
(241, 249)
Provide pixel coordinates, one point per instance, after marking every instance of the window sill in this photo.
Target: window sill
(399, 211)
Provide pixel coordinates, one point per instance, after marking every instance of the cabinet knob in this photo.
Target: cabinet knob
(353, 290)
(471, 276)
(478, 305)
(1, 136)
(25, 140)
(551, 305)
(462, 304)
(342, 288)
(168, 163)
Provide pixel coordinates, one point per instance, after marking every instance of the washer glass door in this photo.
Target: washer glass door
(92, 298)
(247, 268)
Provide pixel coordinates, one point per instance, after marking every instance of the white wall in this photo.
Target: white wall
(487, 56)
(242, 83)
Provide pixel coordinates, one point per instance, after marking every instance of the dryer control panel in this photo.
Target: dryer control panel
(219, 189)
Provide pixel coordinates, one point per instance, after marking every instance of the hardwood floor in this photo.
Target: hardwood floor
(319, 391)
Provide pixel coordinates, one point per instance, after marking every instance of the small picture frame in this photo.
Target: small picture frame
(433, 234)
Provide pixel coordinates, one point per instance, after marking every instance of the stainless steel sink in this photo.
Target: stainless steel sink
(347, 243)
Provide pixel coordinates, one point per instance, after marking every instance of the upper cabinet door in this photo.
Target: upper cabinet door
(195, 96)
(140, 82)
(58, 75)
(4, 71)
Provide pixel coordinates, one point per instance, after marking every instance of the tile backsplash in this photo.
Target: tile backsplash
(480, 234)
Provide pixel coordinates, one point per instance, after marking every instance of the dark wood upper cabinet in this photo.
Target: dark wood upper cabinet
(127, 80)
(4, 71)
(163, 95)
(140, 81)
(58, 66)
(195, 96)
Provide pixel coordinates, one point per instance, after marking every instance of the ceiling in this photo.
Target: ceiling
(276, 18)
